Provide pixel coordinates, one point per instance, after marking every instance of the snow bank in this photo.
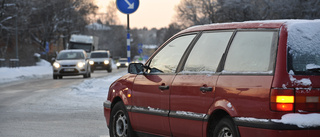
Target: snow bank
(96, 87)
(43, 69)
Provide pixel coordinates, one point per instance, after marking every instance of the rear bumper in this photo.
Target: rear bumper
(258, 132)
(273, 129)
(107, 111)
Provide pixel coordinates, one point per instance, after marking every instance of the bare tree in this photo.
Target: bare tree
(38, 23)
(112, 17)
(193, 12)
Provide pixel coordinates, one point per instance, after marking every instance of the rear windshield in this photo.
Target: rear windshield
(99, 55)
(304, 47)
(86, 47)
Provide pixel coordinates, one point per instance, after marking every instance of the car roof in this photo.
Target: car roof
(267, 24)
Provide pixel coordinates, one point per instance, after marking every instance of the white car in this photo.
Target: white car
(122, 62)
(71, 63)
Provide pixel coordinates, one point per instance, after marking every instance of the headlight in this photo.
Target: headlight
(91, 62)
(56, 65)
(118, 64)
(106, 62)
(127, 64)
(81, 64)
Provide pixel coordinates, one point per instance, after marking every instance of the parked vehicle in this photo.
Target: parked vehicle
(122, 62)
(71, 63)
(100, 60)
(248, 79)
(85, 42)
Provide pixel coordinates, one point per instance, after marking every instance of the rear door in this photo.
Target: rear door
(194, 87)
(247, 75)
(151, 90)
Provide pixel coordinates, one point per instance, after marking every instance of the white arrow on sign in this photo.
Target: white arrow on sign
(131, 6)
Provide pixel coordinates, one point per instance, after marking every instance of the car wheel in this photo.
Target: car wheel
(119, 122)
(87, 75)
(225, 128)
(109, 70)
(60, 77)
(55, 77)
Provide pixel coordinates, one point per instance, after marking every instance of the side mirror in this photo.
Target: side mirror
(135, 68)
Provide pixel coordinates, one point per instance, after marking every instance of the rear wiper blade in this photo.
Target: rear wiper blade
(313, 67)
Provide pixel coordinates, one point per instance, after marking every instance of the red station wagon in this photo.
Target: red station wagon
(248, 79)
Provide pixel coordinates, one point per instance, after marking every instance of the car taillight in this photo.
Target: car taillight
(282, 100)
(307, 100)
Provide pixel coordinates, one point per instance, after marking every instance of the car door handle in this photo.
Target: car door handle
(164, 87)
(206, 89)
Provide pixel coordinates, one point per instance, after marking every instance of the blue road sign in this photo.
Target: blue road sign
(140, 50)
(128, 6)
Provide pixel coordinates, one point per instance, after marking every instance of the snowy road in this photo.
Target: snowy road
(71, 107)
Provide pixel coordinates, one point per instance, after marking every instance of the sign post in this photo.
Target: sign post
(128, 7)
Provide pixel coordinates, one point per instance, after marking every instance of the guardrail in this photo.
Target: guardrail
(12, 63)
(2, 62)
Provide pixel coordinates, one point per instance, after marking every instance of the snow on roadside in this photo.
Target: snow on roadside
(96, 87)
(89, 94)
(43, 69)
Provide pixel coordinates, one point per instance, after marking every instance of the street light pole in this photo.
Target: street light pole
(16, 23)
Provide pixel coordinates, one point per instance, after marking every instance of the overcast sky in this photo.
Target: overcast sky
(150, 14)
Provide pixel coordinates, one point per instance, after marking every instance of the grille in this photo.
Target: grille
(68, 65)
(98, 63)
(74, 71)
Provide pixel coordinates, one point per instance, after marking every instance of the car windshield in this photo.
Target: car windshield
(123, 60)
(70, 56)
(304, 48)
(86, 47)
(99, 55)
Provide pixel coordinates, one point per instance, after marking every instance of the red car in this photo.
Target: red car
(248, 79)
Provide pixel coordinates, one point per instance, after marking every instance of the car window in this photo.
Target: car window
(252, 52)
(304, 48)
(168, 58)
(99, 55)
(207, 52)
(123, 60)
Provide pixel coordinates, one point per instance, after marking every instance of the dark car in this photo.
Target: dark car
(100, 60)
(71, 63)
(248, 79)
